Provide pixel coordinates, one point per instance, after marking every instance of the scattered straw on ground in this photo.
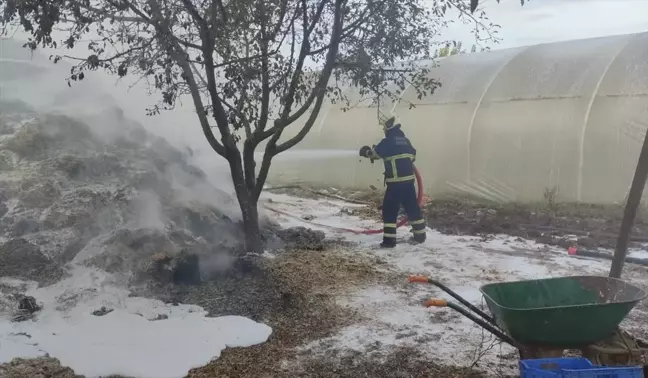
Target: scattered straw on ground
(401, 362)
(325, 273)
(314, 280)
(310, 282)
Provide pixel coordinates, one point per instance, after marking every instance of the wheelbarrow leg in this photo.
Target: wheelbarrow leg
(486, 325)
(526, 352)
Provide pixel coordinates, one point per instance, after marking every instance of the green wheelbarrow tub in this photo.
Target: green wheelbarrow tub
(565, 312)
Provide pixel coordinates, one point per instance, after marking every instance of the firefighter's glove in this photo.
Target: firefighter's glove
(365, 151)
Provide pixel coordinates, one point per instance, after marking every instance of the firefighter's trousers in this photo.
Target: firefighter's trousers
(401, 194)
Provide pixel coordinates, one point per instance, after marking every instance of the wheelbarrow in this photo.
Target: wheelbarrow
(548, 314)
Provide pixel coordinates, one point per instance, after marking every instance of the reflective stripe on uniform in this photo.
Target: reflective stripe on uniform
(393, 225)
(399, 156)
(392, 161)
(389, 236)
(418, 231)
(420, 221)
(400, 179)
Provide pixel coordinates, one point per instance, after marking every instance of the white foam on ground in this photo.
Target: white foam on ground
(128, 340)
(638, 253)
(395, 316)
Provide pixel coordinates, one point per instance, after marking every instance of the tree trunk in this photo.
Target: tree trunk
(630, 211)
(253, 239)
(248, 204)
(249, 207)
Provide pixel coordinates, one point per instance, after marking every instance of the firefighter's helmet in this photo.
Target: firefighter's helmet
(389, 123)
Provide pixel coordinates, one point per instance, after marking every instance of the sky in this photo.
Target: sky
(544, 21)
(538, 21)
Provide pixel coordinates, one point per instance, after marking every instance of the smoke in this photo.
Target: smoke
(148, 211)
(196, 187)
(215, 264)
(167, 173)
(315, 154)
(41, 84)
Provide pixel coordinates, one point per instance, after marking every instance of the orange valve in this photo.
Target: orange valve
(436, 303)
(419, 279)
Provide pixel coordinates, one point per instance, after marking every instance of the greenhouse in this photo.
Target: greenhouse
(566, 118)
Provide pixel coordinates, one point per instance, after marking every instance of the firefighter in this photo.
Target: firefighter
(398, 155)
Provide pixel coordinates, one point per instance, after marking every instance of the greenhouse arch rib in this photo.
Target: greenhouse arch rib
(581, 155)
(478, 105)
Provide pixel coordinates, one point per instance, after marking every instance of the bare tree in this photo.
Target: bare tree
(251, 67)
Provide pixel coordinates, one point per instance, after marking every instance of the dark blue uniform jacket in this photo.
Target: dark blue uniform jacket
(398, 154)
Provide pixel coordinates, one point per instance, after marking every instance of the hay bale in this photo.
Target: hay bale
(39, 194)
(24, 260)
(28, 141)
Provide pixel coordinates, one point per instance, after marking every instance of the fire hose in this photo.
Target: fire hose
(402, 221)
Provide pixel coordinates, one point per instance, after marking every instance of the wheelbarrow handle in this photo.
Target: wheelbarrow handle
(435, 302)
(473, 308)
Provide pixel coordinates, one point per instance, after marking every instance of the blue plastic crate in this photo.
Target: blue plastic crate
(551, 367)
(574, 368)
(605, 372)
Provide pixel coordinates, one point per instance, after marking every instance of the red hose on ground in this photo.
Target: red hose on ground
(401, 222)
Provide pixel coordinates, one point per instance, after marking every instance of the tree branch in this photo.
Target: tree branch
(286, 118)
(289, 98)
(265, 78)
(221, 8)
(282, 13)
(286, 73)
(179, 55)
(316, 16)
(112, 58)
(320, 89)
(109, 15)
(289, 119)
(472, 17)
(353, 26)
(272, 149)
(207, 48)
(142, 18)
(280, 124)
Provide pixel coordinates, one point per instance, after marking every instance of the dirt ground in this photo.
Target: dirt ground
(586, 226)
(302, 309)
(582, 225)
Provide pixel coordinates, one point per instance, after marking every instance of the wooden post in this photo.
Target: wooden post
(630, 211)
